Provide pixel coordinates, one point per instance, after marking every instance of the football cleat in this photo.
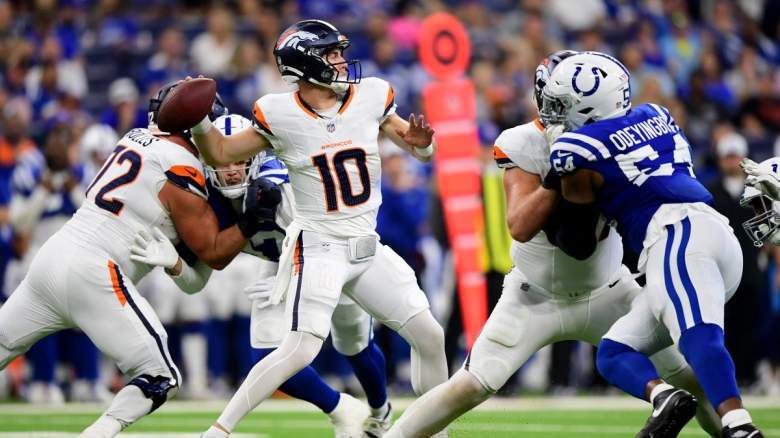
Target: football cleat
(348, 417)
(743, 431)
(375, 427)
(672, 409)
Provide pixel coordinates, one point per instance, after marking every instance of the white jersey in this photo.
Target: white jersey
(123, 197)
(334, 162)
(544, 264)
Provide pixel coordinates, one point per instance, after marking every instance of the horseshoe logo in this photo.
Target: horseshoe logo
(596, 71)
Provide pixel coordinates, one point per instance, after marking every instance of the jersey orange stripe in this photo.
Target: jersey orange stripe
(349, 99)
(303, 107)
(189, 172)
(390, 97)
(115, 284)
(498, 153)
(260, 117)
(538, 124)
(297, 258)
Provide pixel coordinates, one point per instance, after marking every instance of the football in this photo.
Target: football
(186, 104)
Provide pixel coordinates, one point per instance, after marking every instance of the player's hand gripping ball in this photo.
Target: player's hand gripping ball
(186, 104)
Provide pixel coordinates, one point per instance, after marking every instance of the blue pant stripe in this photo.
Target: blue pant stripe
(668, 278)
(684, 277)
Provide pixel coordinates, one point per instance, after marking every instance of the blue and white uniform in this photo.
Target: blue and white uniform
(690, 254)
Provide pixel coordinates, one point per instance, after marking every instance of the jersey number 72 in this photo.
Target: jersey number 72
(119, 156)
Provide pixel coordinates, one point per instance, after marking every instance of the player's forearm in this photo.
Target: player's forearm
(210, 145)
(526, 217)
(224, 248)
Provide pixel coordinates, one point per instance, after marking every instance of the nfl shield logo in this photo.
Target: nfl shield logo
(331, 127)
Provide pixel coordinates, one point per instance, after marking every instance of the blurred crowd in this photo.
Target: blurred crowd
(76, 74)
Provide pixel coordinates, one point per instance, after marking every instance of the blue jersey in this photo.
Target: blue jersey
(645, 161)
(27, 176)
(267, 242)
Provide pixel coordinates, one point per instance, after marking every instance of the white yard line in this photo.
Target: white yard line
(535, 403)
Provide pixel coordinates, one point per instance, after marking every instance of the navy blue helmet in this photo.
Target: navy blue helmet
(300, 55)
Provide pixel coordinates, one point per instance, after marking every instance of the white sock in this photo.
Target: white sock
(437, 408)
(193, 349)
(661, 387)
(297, 350)
(103, 427)
(381, 411)
(129, 404)
(736, 417)
(215, 432)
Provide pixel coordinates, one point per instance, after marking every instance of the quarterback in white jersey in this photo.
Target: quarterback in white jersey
(84, 276)
(327, 135)
(351, 325)
(567, 283)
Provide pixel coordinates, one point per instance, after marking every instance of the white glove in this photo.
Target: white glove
(260, 292)
(761, 178)
(154, 250)
(552, 132)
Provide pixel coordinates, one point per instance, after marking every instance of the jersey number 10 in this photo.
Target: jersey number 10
(119, 156)
(349, 198)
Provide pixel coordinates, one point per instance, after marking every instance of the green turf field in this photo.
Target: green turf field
(589, 418)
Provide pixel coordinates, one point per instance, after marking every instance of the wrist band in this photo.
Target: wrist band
(426, 151)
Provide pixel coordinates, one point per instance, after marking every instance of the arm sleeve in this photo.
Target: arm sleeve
(193, 278)
(567, 157)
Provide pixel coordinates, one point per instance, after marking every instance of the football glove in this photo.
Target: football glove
(761, 178)
(552, 132)
(552, 181)
(260, 202)
(154, 249)
(260, 293)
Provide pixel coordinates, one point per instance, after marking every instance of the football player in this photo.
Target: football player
(84, 276)
(567, 282)
(326, 133)
(635, 165)
(352, 326)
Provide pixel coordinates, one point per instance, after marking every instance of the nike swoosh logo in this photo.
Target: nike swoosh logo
(657, 412)
(613, 283)
(564, 154)
(192, 172)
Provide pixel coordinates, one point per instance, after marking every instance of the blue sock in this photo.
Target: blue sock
(83, 355)
(625, 367)
(216, 334)
(703, 348)
(242, 345)
(43, 357)
(369, 367)
(306, 385)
